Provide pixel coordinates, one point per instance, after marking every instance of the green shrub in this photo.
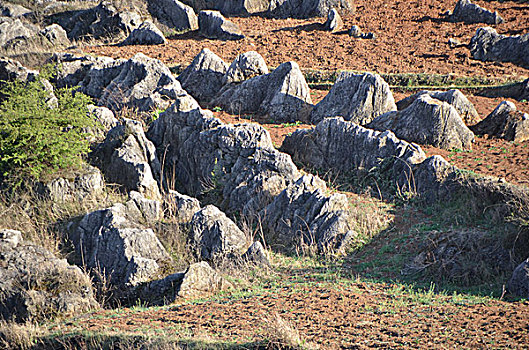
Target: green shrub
(36, 139)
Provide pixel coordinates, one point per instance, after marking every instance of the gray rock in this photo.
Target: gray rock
(427, 121)
(334, 22)
(488, 45)
(356, 97)
(432, 179)
(283, 95)
(128, 158)
(86, 183)
(256, 254)
(467, 12)
(11, 70)
(201, 280)
(453, 43)
(13, 10)
(519, 282)
(151, 210)
(105, 121)
(454, 97)
(173, 14)
(505, 122)
(213, 25)
(214, 236)
(204, 77)
(180, 207)
(13, 29)
(112, 242)
(146, 34)
(355, 32)
(307, 8)
(245, 66)
(56, 35)
(35, 285)
(518, 91)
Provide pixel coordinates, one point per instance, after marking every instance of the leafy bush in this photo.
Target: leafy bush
(37, 139)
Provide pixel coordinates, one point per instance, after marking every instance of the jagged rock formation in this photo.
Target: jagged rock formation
(11, 70)
(356, 97)
(467, 12)
(245, 66)
(427, 121)
(283, 95)
(204, 77)
(105, 121)
(35, 285)
(13, 10)
(87, 182)
(213, 25)
(146, 34)
(505, 122)
(334, 22)
(454, 97)
(56, 35)
(518, 91)
(173, 14)
(15, 29)
(181, 207)
(519, 282)
(488, 45)
(128, 158)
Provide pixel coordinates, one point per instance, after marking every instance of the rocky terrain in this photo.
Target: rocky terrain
(264, 174)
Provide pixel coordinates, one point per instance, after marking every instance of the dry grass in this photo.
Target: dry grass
(281, 334)
(19, 336)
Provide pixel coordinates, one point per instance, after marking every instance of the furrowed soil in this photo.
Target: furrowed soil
(342, 309)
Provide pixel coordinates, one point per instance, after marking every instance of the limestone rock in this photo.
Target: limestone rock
(245, 66)
(181, 207)
(201, 280)
(213, 25)
(13, 29)
(505, 122)
(35, 285)
(307, 8)
(356, 97)
(150, 209)
(214, 236)
(519, 282)
(13, 10)
(86, 183)
(454, 97)
(427, 121)
(204, 77)
(11, 70)
(56, 35)
(128, 158)
(488, 45)
(105, 121)
(112, 241)
(256, 254)
(283, 95)
(518, 91)
(173, 14)
(334, 22)
(146, 34)
(467, 12)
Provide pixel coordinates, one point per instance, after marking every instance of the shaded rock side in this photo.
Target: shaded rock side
(173, 14)
(204, 77)
(488, 45)
(505, 122)
(356, 97)
(283, 95)
(146, 34)
(111, 242)
(427, 121)
(467, 12)
(128, 158)
(245, 66)
(35, 285)
(454, 97)
(519, 283)
(214, 236)
(334, 22)
(213, 25)
(518, 91)
(307, 8)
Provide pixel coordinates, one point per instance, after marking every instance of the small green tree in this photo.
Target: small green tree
(36, 139)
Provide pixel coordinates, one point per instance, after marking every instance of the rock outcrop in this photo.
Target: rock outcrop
(356, 97)
(245, 66)
(180, 207)
(334, 22)
(173, 14)
(146, 34)
(11, 70)
(505, 122)
(283, 95)
(213, 25)
(519, 283)
(307, 8)
(488, 45)
(454, 97)
(518, 91)
(427, 121)
(204, 77)
(35, 284)
(13, 10)
(105, 121)
(467, 12)
(15, 29)
(56, 35)
(86, 183)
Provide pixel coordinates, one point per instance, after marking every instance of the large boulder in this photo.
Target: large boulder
(519, 282)
(128, 158)
(283, 95)
(214, 236)
(488, 45)
(173, 14)
(307, 8)
(180, 207)
(101, 21)
(454, 97)
(146, 34)
(356, 97)
(427, 121)
(467, 12)
(505, 122)
(245, 66)
(113, 244)
(15, 29)
(518, 91)
(35, 284)
(204, 77)
(213, 25)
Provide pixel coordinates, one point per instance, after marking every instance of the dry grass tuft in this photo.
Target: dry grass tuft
(19, 336)
(281, 334)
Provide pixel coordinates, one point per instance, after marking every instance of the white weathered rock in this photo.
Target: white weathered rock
(334, 22)
(173, 14)
(56, 35)
(245, 66)
(213, 25)
(505, 122)
(146, 34)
